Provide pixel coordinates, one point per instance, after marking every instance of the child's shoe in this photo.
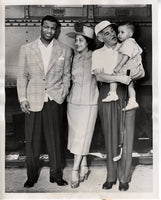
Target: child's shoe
(132, 104)
(112, 96)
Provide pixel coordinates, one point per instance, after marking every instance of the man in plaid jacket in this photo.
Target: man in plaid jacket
(43, 81)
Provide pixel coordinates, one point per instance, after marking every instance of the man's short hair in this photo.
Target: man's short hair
(51, 19)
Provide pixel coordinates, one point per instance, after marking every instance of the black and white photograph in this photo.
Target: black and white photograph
(72, 126)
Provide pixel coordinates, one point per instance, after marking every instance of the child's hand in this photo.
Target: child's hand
(98, 71)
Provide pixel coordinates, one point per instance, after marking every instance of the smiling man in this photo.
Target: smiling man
(42, 84)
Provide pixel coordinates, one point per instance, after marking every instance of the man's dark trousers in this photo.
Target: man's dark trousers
(110, 115)
(46, 122)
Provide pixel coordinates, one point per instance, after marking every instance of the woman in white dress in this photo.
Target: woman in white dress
(82, 103)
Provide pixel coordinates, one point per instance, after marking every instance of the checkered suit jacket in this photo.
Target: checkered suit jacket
(32, 83)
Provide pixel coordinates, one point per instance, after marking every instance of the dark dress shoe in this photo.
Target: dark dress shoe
(59, 181)
(108, 185)
(29, 184)
(123, 186)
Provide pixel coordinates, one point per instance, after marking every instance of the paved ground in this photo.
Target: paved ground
(141, 181)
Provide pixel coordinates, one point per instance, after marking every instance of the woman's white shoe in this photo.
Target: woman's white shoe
(75, 179)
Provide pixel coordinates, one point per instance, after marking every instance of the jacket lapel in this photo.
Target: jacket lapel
(55, 54)
(38, 57)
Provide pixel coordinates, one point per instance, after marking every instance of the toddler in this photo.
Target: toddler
(129, 59)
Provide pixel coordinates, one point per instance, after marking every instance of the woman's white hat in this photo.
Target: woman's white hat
(100, 26)
(87, 32)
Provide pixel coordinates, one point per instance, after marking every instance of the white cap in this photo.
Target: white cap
(100, 26)
(87, 32)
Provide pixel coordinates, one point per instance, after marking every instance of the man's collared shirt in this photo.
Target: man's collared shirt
(106, 58)
(46, 53)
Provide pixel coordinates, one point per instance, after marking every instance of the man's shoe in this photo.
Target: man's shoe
(123, 186)
(59, 181)
(108, 185)
(29, 184)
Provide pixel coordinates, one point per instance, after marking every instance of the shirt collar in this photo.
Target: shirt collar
(104, 48)
(40, 43)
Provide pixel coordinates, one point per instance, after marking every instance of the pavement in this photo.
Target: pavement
(142, 181)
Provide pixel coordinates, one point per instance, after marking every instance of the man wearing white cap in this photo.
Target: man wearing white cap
(110, 112)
